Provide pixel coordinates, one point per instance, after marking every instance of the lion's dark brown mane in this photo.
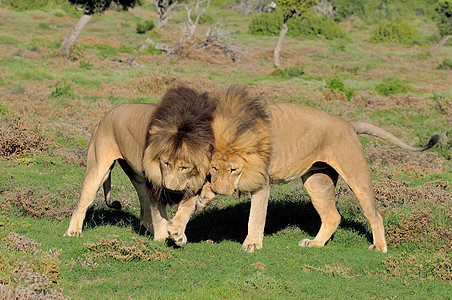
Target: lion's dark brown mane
(183, 117)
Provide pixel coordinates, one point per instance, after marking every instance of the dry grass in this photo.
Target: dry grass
(38, 203)
(20, 138)
(31, 275)
(120, 250)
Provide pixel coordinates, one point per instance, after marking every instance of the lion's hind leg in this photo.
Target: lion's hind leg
(95, 176)
(320, 188)
(353, 168)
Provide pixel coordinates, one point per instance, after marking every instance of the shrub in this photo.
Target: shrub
(62, 90)
(151, 50)
(337, 84)
(347, 8)
(444, 10)
(315, 26)
(44, 26)
(396, 31)
(311, 28)
(126, 48)
(289, 72)
(266, 24)
(4, 109)
(392, 86)
(85, 64)
(146, 26)
(445, 65)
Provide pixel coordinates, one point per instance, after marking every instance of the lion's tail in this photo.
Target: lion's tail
(369, 129)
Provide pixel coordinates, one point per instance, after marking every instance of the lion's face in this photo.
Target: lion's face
(226, 172)
(176, 173)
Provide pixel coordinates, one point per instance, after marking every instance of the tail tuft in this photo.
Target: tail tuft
(433, 141)
(115, 205)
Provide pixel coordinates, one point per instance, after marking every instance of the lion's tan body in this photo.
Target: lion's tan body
(307, 143)
(120, 135)
(304, 136)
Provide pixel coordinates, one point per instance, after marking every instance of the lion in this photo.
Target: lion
(258, 144)
(164, 149)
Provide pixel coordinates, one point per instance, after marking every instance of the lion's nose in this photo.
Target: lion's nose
(221, 190)
(173, 184)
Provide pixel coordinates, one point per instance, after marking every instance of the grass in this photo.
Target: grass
(60, 99)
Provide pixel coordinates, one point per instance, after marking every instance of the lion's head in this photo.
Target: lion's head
(242, 148)
(180, 140)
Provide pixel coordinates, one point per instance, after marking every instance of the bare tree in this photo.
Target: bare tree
(164, 9)
(190, 25)
(89, 8)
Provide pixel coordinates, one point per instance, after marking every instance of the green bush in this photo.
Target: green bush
(392, 86)
(4, 109)
(266, 24)
(146, 26)
(289, 72)
(44, 26)
(84, 64)
(314, 26)
(151, 50)
(337, 83)
(62, 90)
(24, 5)
(445, 65)
(444, 16)
(396, 31)
(126, 48)
(347, 8)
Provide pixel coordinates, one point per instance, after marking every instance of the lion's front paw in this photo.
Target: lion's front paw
(77, 233)
(305, 243)
(251, 247)
(310, 243)
(383, 249)
(177, 235)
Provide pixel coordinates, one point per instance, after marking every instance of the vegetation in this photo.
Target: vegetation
(444, 17)
(395, 31)
(391, 86)
(146, 26)
(337, 84)
(312, 27)
(445, 65)
(50, 103)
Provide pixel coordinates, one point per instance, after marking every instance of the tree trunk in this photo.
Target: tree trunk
(440, 44)
(72, 37)
(164, 9)
(282, 34)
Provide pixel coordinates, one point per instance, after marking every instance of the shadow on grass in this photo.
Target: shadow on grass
(231, 223)
(105, 216)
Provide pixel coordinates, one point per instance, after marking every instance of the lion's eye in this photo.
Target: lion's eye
(215, 169)
(232, 170)
(167, 164)
(184, 168)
